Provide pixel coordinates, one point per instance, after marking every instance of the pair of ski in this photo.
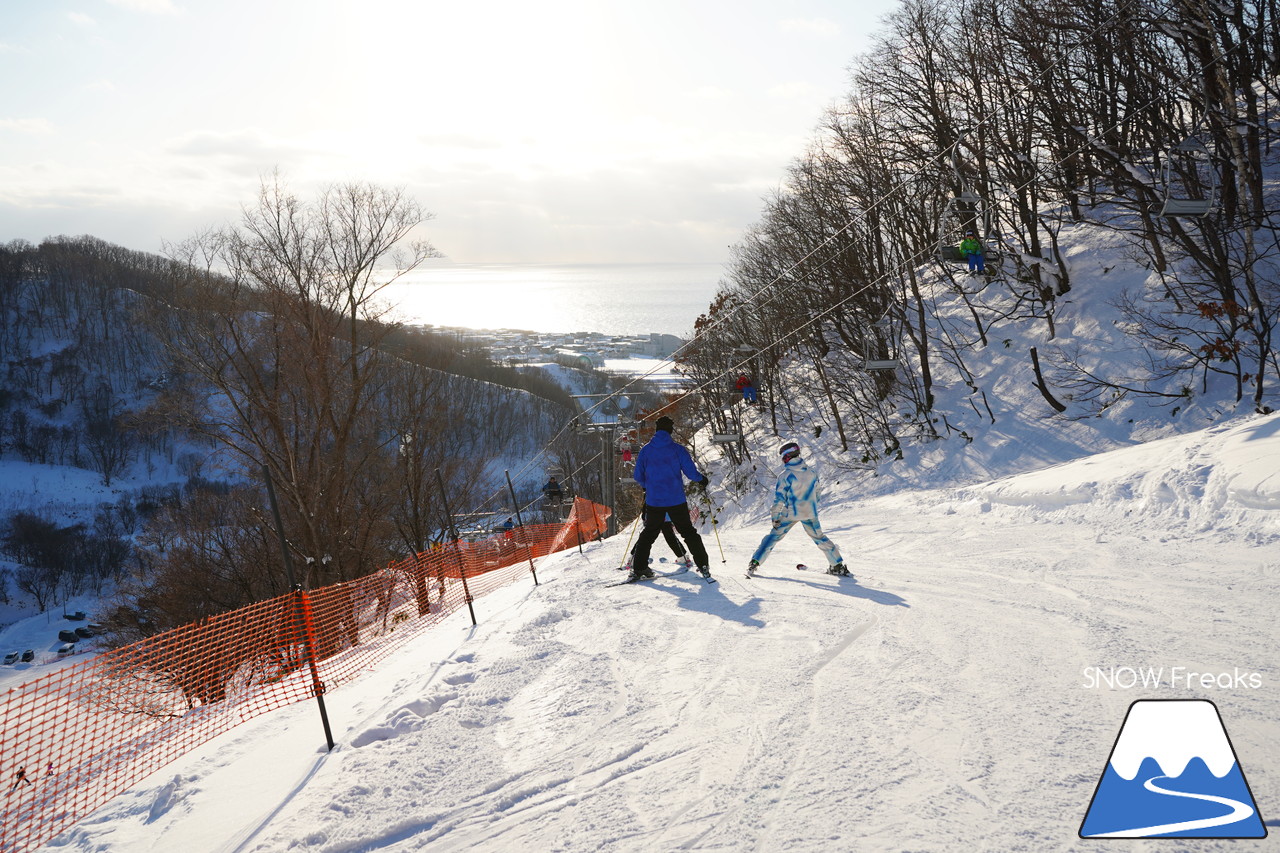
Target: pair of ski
(705, 500)
(802, 567)
(657, 575)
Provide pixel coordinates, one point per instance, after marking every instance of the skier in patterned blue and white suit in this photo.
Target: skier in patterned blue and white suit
(795, 499)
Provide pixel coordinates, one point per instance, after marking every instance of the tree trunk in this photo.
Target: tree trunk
(1044, 389)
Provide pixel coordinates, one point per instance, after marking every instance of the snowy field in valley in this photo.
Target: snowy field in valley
(946, 698)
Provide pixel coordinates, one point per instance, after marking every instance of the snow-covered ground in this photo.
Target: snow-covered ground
(64, 495)
(662, 371)
(948, 698)
(659, 370)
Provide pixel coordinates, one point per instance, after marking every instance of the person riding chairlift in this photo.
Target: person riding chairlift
(971, 248)
(553, 491)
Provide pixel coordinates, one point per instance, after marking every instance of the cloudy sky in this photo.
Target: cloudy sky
(556, 131)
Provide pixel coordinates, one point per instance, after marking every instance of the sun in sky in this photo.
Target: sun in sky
(561, 131)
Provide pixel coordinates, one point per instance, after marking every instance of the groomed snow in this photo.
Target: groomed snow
(943, 701)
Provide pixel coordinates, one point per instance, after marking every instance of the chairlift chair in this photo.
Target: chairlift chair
(873, 364)
(548, 503)
(968, 211)
(1190, 180)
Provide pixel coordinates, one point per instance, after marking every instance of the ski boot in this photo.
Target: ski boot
(839, 570)
(639, 574)
(705, 571)
(685, 562)
(751, 568)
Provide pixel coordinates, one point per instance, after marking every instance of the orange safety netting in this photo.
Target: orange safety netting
(73, 739)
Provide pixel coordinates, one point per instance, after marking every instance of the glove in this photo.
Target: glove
(698, 486)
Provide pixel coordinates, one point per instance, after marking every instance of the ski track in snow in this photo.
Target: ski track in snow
(935, 703)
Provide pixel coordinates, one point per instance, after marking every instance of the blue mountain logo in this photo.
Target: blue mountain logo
(1173, 773)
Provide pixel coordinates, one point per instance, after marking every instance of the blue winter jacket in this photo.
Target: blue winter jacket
(658, 470)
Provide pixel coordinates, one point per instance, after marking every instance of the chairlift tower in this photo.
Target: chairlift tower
(618, 405)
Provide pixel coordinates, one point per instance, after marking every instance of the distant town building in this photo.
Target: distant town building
(661, 346)
(572, 349)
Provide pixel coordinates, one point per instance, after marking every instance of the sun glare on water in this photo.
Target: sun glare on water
(616, 299)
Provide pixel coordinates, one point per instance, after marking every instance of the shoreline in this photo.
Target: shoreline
(615, 300)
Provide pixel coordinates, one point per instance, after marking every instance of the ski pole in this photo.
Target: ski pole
(715, 525)
(716, 530)
(634, 525)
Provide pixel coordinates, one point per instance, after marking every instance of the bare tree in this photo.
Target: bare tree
(110, 445)
(284, 336)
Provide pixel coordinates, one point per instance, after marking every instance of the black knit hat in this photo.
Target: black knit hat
(665, 424)
(789, 451)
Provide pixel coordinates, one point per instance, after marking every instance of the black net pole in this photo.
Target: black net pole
(457, 546)
(301, 608)
(520, 526)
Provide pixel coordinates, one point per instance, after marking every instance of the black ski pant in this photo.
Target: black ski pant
(669, 534)
(653, 519)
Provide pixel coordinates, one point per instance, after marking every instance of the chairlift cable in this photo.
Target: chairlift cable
(949, 152)
(919, 256)
(916, 259)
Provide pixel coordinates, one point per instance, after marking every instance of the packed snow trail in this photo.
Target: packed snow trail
(939, 702)
(936, 702)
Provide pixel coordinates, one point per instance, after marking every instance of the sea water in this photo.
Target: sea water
(614, 299)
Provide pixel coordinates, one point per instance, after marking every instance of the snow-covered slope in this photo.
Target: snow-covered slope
(947, 699)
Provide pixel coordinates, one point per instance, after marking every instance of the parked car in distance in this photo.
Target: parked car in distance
(10, 658)
(78, 616)
(96, 628)
(65, 650)
(28, 656)
(66, 635)
(84, 632)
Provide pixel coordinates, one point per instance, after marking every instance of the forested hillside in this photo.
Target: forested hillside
(178, 382)
(1128, 213)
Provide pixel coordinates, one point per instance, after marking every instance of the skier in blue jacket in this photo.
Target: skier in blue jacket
(660, 470)
(795, 499)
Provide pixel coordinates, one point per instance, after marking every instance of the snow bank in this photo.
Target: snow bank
(1223, 481)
